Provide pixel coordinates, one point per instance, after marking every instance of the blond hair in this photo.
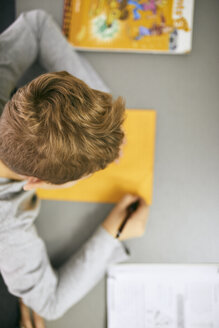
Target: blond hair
(58, 129)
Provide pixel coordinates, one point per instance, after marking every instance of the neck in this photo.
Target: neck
(5, 172)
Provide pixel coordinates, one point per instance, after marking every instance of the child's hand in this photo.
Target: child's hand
(26, 321)
(135, 226)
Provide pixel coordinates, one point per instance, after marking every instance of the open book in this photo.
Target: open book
(164, 296)
(163, 26)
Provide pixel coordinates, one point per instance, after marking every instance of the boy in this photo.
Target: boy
(54, 131)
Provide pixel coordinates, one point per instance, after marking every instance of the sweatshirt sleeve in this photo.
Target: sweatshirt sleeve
(27, 271)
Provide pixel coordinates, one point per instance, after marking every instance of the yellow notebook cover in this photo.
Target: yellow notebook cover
(133, 173)
(129, 25)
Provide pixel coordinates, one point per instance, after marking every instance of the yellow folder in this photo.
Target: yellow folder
(133, 173)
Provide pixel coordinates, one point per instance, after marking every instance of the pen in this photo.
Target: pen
(130, 209)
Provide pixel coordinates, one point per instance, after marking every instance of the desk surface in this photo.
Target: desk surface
(183, 226)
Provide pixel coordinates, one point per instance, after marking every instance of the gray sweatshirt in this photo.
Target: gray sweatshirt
(24, 263)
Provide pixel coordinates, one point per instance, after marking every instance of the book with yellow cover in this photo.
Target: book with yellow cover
(133, 173)
(163, 26)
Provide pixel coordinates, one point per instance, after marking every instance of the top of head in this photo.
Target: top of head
(56, 128)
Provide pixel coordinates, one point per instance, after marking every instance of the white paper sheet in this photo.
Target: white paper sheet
(163, 296)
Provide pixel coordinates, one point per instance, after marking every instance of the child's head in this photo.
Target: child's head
(57, 129)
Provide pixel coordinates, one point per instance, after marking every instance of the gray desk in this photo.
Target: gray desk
(184, 220)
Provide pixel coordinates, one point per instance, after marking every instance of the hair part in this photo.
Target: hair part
(56, 128)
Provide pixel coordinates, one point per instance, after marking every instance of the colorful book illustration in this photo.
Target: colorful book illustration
(163, 26)
(133, 173)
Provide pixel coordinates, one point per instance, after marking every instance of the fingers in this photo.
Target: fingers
(140, 215)
(142, 202)
(38, 321)
(26, 321)
(127, 200)
(143, 208)
(135, 226)
(25, 315)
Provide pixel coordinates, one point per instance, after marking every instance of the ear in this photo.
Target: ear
(33, 183)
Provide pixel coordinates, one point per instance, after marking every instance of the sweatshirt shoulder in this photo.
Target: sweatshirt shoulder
(10, 187)
(17, 204)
